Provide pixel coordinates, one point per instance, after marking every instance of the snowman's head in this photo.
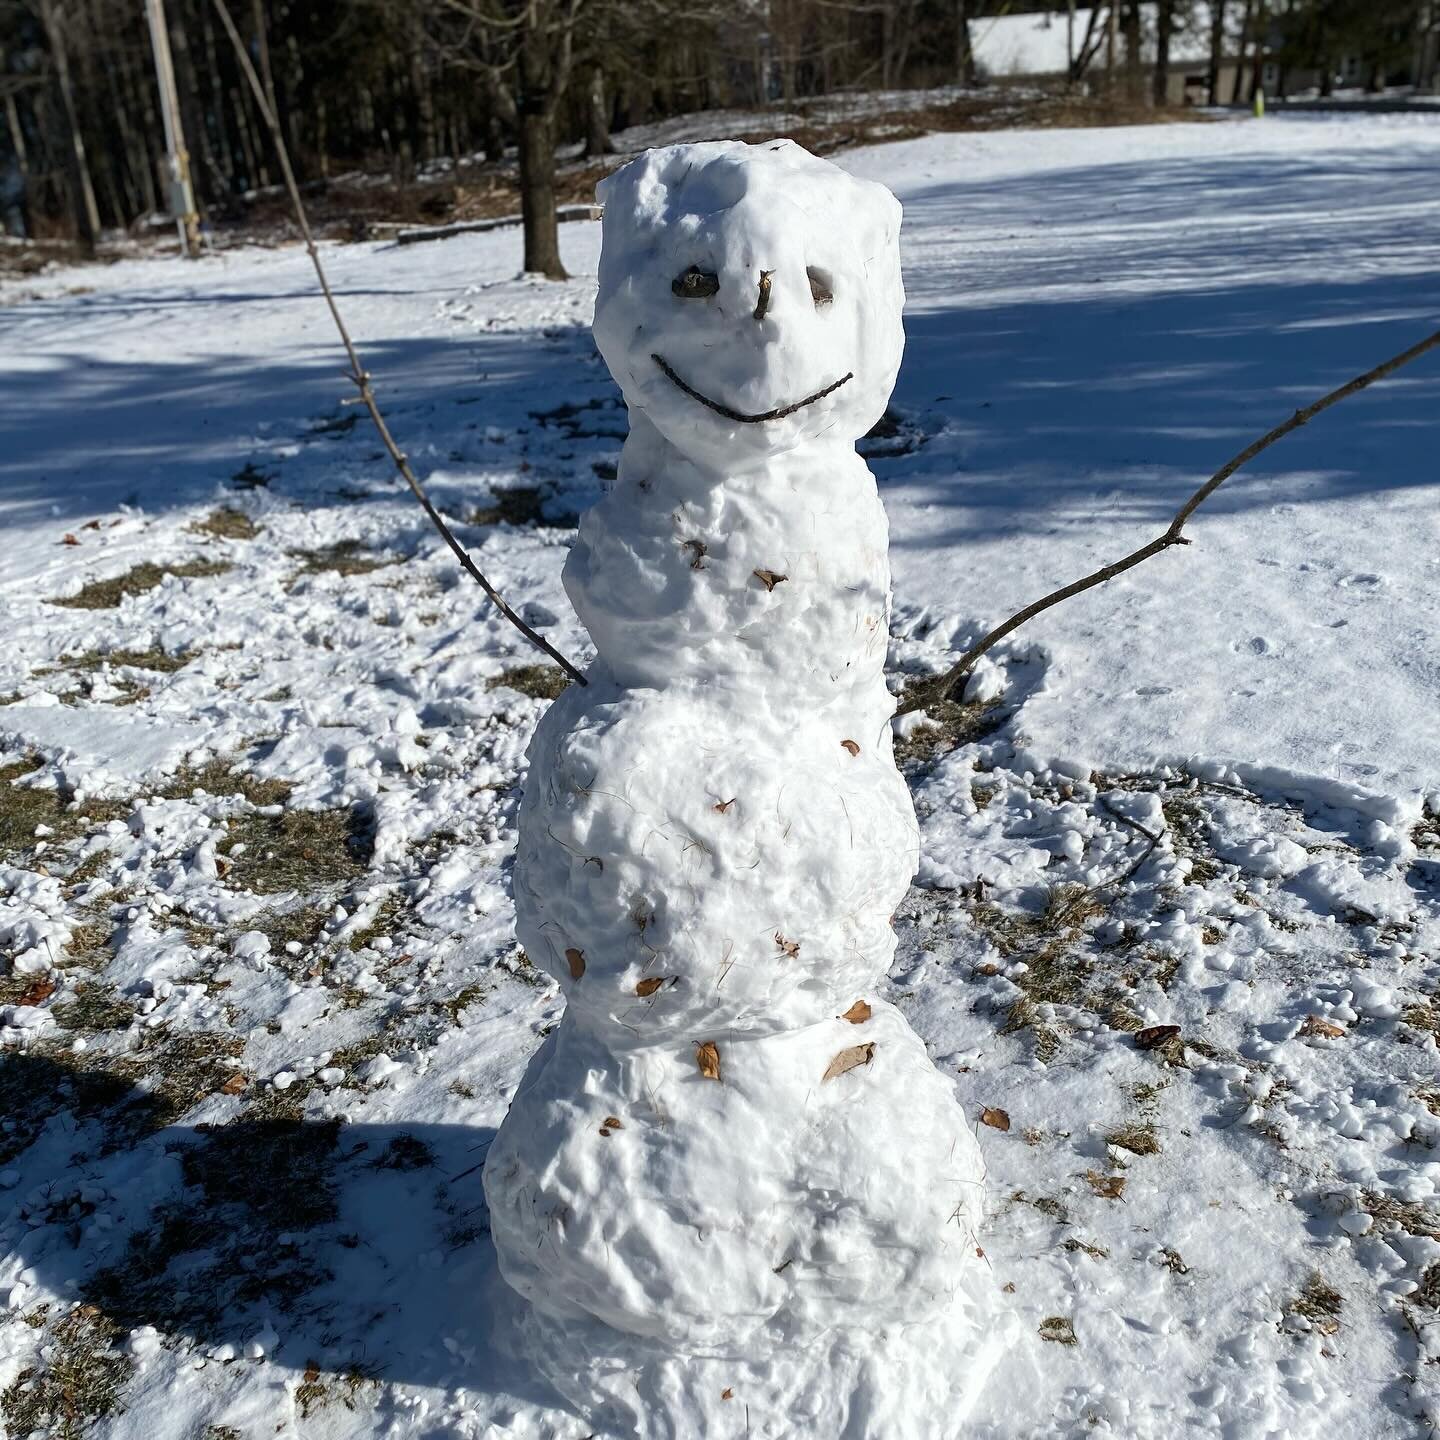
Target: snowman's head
(750, 297)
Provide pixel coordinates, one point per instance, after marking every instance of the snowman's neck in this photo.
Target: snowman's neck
(772, 575)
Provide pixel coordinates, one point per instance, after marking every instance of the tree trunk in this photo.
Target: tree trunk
(87, 212)
(1217, 50)
(965, 70)
(1164, 24)
(537, 192)
(17, 135)
(1134, 85)
(1262, 31)
(1237, 86)
(597, 115)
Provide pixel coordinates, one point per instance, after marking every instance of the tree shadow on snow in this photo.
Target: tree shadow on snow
(364, 1248)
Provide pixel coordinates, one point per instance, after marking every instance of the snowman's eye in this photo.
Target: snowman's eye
(820, 291)
(695, 284)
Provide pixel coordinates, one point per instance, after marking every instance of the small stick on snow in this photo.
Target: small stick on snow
(932, 692)
(357, 374)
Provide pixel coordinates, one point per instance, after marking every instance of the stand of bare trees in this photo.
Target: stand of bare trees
(400, 85)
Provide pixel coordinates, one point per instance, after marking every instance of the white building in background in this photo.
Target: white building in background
(1044, 45)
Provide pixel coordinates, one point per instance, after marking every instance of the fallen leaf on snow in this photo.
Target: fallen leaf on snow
(1154, 1036)
(1314, 1025)
(851, 746)
(769, 579)
(40, 991)
(707, 1057)
(234, 1085)
(722, 807)
(1108, 1187)
(577, 962)
(848, 1059)
(858, 1013)
(789, 948)
(648, 987)
(995, 1119)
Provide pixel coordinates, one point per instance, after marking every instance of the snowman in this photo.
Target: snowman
(735, 1194)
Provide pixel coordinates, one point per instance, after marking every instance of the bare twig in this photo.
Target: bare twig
(358, 374)
(931, 692)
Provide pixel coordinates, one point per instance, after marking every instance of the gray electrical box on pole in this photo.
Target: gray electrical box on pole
(181, 193)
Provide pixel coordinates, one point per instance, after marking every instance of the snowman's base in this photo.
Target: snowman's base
(914, 1382)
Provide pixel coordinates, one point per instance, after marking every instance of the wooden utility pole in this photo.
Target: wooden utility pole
(182, 193)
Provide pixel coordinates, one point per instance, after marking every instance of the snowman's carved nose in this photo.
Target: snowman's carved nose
(763, 303)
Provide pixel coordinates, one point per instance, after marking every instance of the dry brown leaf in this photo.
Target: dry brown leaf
(789, 948)
(613, 1122)
(1314, 1025)
(769, 578)
(697, 549)
(851, 746)
(38, 991)
(1108, 1187)
(722, 807)
(707, 1057)
(577, 962)
(849, 1059)
(91, 525)
(605, 1132)
(858, 1013)
(648, 987)
(727, 1393)
(312, 1373)
(988, 968)
(1154, 1036)
(995, 1119)
(70, 540)
(234, 1085)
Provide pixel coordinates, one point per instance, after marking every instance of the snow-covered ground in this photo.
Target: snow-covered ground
(256, 819)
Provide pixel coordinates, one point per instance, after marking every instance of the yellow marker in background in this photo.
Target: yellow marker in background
(1259, 104)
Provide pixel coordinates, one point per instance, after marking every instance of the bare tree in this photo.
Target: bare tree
(1217, 50)
(1164, 27)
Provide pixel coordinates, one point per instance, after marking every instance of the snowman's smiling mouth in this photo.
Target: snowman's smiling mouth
(778, 414)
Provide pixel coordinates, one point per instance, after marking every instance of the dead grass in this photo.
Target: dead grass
(297, 850)
(95, 1009)
(1138, 1139)
(1320, 1303)
(81, 1379)
(521, 505)
(89, 661)
(345, 557)
(1059, 1329)
(1390, 1214)
(107, 594)
(235, 1242)
(227, 524)
(950, 724)
(24, 807)
(219, 777)
(1189, 828)
(539, 682)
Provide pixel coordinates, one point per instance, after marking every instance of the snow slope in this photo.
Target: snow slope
(1232, 1233)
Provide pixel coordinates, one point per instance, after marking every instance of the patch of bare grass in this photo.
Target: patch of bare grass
(1320, 1303)
(24, 807)
(107, 594)
(949, 725)
(297, 850)
(539, 682)
(344, 557)
(81, 1379)
(227, 524)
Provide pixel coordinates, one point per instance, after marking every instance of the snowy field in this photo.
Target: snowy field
(261, 744)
